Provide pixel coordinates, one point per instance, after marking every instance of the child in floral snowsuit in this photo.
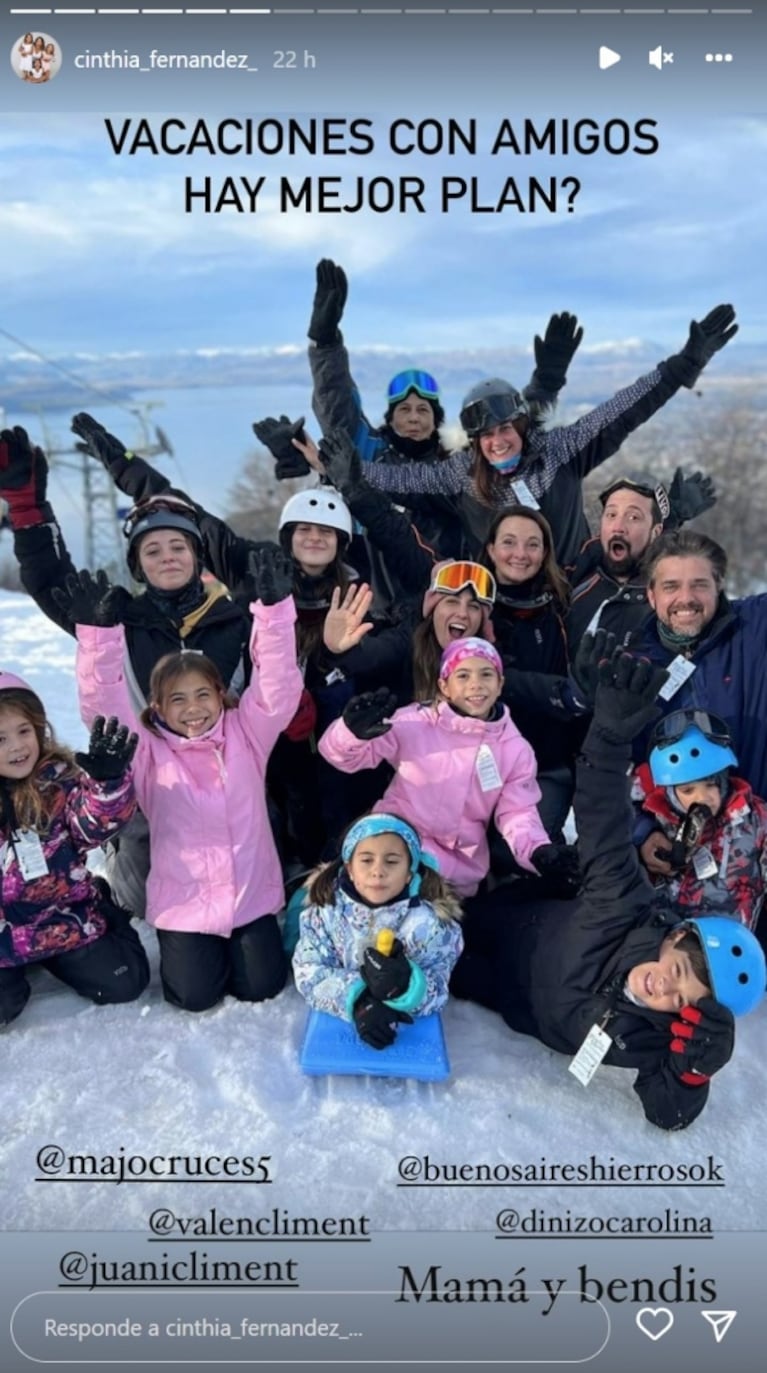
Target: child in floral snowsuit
(381, 882)
(53, 809)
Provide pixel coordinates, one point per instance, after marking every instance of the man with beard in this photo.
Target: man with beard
(609, 591)
(608, 585)
(713, 649)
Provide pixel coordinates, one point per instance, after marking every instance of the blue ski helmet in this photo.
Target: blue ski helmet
(688, 745)
(735, 961)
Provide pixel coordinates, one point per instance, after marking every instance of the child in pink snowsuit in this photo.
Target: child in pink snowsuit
(215, 880)
(458, 761)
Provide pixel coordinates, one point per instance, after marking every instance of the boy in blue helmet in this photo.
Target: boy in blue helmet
(609, 979)
(703, 825)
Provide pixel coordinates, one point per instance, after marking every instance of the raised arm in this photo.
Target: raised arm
(386, 527)
(270, 701)
(363, 737)
(43, 557)
(445, 478)
(598, 435)
(335, 398)
(553, 355)
(225, 553)
(103, 799)
(130, 473)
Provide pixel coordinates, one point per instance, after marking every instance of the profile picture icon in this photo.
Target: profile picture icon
(36, 57)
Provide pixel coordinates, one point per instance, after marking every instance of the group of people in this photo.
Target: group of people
(37, 58)
(393, 707)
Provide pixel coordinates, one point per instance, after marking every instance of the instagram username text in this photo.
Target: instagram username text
(161, 61)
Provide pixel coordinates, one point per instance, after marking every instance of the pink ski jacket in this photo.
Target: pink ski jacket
(452, 775)
(214, 865)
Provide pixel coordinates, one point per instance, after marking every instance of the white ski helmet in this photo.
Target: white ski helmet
(320, 505)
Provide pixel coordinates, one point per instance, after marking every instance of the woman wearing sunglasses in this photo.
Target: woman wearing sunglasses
(513, 460)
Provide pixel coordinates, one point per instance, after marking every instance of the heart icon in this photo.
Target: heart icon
(654, 1321)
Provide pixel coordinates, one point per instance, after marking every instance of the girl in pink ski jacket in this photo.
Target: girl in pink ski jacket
(215, 879)
(458, 762)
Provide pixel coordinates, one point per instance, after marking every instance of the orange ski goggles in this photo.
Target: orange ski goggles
(453, 577)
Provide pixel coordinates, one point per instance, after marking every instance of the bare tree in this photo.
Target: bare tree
(256, 498)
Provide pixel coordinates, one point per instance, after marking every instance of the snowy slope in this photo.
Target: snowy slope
(147, 1079)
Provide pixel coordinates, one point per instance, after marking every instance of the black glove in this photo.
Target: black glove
(99, 443)
(703, 1039)
(365, 715)
(89, 600)
(593, 649)
(386, 976)
(277, 436)
(270, 574)
(110, 750)
(377, 1023)
(23, 480)
(341, 460)
(560, 862)
(626, 696)
(329, 302)
(555, 351)
(706, 337)
(689, 497)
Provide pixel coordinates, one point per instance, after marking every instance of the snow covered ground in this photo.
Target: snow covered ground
(147, 1079)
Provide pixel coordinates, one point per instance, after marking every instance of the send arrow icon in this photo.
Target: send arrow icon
(608, 58)
(720, 1322)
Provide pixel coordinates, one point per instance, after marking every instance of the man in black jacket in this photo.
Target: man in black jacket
(610, 972)
(608, 581)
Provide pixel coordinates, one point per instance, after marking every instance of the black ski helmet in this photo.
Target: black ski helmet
(159, 512)
(491, 402)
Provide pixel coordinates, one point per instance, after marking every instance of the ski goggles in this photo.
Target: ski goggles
(160, 512)
(412, 380)
(456, 576)
(671, 729)
(657, 493)
(488, 412)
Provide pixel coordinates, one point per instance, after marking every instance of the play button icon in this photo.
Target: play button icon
(608, 58)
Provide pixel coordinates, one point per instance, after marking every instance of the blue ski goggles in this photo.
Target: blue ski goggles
(412, 380)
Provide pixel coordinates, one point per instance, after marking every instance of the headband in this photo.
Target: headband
(461, 649)
(371, 825)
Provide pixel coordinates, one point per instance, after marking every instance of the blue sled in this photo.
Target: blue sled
(332, 1045)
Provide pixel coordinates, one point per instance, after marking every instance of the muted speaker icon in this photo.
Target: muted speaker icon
(658, 58)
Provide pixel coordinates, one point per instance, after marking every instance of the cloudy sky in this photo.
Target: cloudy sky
(98, 252)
